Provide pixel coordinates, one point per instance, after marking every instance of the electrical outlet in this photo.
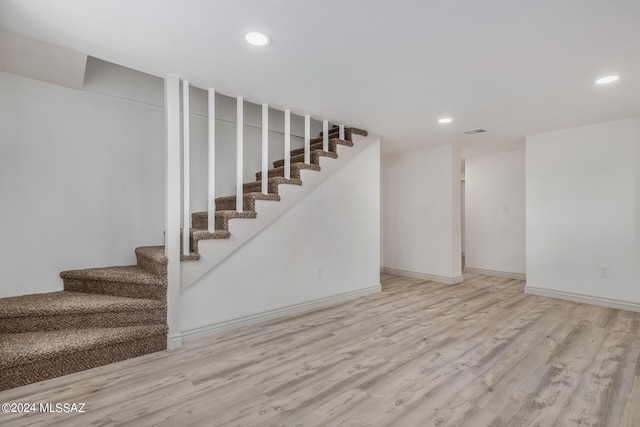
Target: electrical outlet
(604, 271)
(319, 272)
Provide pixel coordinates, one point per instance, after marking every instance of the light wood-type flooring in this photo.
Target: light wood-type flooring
(481, 353)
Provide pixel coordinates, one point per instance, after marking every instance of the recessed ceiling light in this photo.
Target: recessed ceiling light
(607, 79)
(257, 39)
(445, 120)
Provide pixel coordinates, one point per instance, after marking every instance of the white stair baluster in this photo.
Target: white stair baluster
(307, 139)
(287, 144)
(186, 213)
(265, 148)
(325, 135)
(239, 152)
(211, 224)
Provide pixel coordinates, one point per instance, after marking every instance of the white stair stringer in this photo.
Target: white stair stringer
(213, 252)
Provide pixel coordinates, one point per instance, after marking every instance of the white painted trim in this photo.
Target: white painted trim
(174, 341)
(307, 139)
(186, 204)
(252, 319)
(265, 148)
(239, 152)
(495, 273)
(172, 200)
(211, 120)
(423, 276)
(586, 299)
(287, 144)
(325, 135)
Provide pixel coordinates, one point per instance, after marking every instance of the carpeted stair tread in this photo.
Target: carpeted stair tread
(193, 256)
(333, 143)
(315, 157)
(295, 170)
(57, 303)
(133, 274)
(230, 214)
(248, 201)
(273, 183)
(29, 347)
(205, 234)
(76, 310)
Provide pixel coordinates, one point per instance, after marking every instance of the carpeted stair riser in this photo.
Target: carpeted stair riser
(273, 184)
(201, 219)
(76, 361)
(153, 260)
(83, 320)
(333, 146)
(248, 201)
(256, 186)
(132, 290)
(200, 232)
(294, 172)
(315, 158)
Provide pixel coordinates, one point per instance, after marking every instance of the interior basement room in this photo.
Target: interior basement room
(320, 213)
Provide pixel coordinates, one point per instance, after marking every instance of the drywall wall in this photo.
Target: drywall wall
(40, 60)
(113, 80)
(422, 213)
(335, 227)
(81, 182)
(495, 212)
(582, 212)
(83, 170)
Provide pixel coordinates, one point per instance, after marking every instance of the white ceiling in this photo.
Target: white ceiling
(512, 67)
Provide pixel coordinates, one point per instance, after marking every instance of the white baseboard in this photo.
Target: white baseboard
(239, 322)
(174, 341)
(495, 273)
(423, 276)
(587, 299)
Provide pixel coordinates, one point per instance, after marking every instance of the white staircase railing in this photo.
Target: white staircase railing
(177, 200)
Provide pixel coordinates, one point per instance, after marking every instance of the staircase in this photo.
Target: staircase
(105, 315)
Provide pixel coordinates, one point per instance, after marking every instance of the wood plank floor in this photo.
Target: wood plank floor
(481, 353)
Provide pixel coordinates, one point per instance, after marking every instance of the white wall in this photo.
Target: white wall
(112, 80)
(583, 211)
(40, 60)
(81, 182)
(336, 227)
(495, 212)
(422, 213)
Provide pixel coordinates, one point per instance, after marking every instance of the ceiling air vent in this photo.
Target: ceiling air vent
(474, 131)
